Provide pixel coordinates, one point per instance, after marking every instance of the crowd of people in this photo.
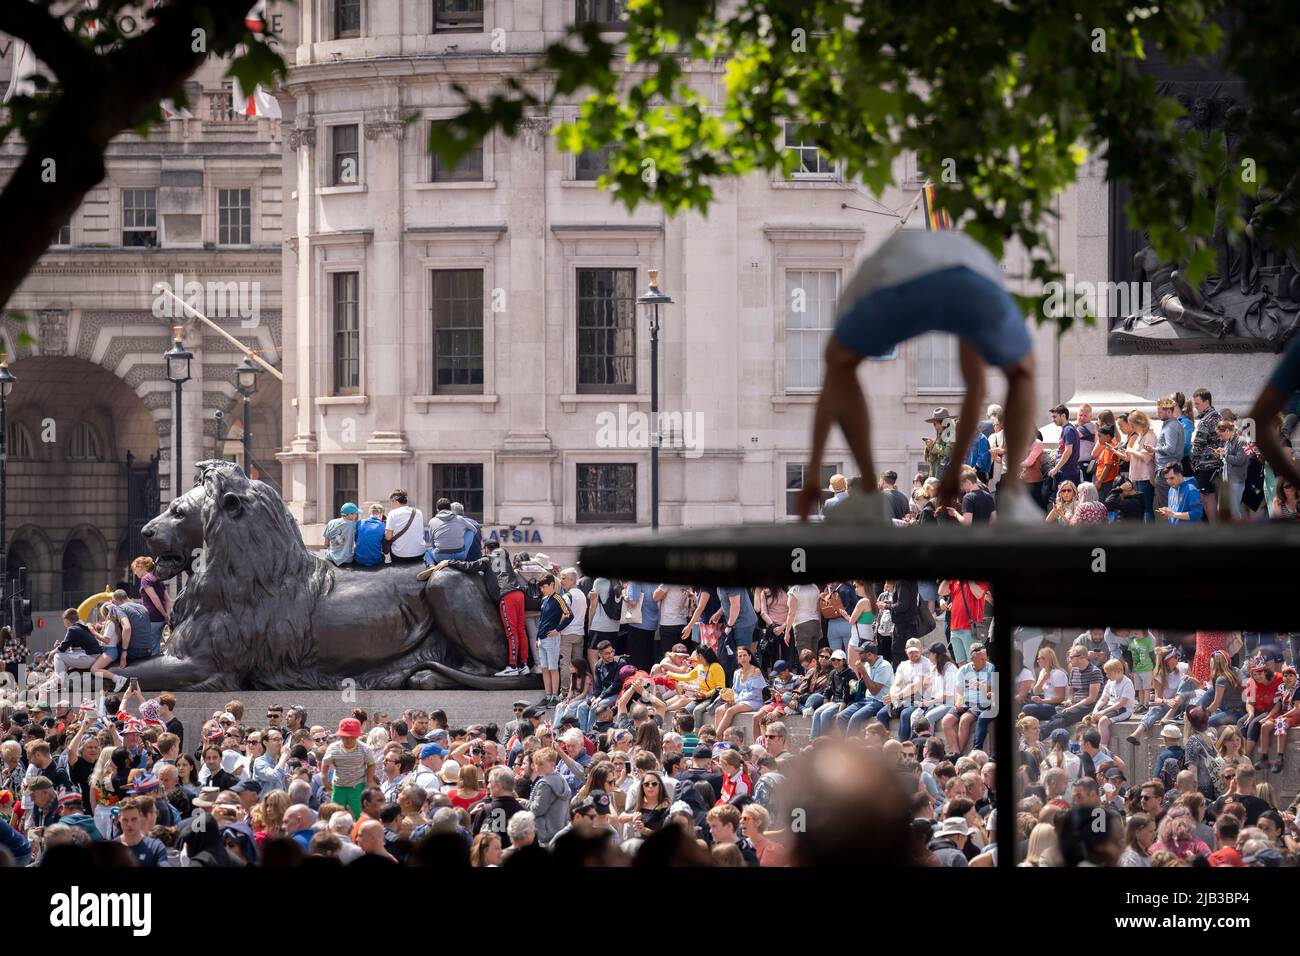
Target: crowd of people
(120, 785)
(1193, 464)
(1221, 705)
(669, 717)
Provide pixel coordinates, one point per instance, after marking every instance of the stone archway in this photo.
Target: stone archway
(83, 573)
(83, 421)
(129, 346)
(29, 547)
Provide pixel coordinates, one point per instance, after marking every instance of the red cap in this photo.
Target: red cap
(349, 727)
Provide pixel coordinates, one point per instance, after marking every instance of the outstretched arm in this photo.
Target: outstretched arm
(1267, 439)
(841, 402)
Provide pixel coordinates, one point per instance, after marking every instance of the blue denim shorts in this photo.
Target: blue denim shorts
(957, 300)
(548, 653)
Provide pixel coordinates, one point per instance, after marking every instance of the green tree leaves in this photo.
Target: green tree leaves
(1013, 96)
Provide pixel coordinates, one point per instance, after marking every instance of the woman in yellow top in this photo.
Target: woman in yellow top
(697, 685)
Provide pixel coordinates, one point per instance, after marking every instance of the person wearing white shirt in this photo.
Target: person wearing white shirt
(573, 634)
(1115, 702)
(427, 770)
(405, 530)
(912, 682)
(803, 620)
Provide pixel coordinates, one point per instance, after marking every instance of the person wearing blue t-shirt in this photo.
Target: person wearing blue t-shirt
(1067, 453)
(369, 549)
(147, 851)
(641, 637)
(738, 616)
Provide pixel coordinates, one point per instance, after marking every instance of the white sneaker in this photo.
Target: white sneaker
(507, 672)
(862, 509)
(1019, 509)
(118, 684)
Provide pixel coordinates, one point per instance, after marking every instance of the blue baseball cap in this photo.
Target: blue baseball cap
(432, 750)
(780, 667)
(349, 508)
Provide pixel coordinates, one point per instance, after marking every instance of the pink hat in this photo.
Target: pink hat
(349, 727)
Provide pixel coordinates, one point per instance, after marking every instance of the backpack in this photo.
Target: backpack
(612, 605)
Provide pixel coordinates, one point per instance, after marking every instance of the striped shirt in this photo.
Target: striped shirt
(1081, 679)
(349, 765)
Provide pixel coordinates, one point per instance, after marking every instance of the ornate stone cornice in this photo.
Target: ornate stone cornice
(535, 130)
(302, 136)
(394, 128)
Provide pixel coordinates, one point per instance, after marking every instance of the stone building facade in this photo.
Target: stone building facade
(472, 332)
(90, 436)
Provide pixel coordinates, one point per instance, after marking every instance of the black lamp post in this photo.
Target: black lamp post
(246, 381)
(7, 381)
(654, 298)
(178, 360)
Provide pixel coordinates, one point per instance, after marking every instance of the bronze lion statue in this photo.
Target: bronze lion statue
(261, 612)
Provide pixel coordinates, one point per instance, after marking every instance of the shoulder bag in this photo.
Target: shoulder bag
(386, 545)
(631, 612)
(830, 605)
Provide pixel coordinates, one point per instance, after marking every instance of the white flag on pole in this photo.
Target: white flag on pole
(22, 66)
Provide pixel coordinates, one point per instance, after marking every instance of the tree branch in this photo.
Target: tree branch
(67, 59)
(110, 94)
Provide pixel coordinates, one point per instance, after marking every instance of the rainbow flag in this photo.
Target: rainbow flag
(936, 217)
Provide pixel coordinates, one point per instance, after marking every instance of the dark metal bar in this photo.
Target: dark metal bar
(654, 420)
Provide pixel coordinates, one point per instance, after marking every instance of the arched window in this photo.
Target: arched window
(18, 441)
(85, 444)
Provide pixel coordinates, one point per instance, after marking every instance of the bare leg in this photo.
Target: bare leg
(972, 373)
(964, 729)
(949, 724)
(1208, 503)
(722, 719)
(841, 402)
(1019, 420)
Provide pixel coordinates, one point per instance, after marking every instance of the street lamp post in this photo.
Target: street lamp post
(7, 381)
(178, 360)
(246, 381)
(653, 298)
